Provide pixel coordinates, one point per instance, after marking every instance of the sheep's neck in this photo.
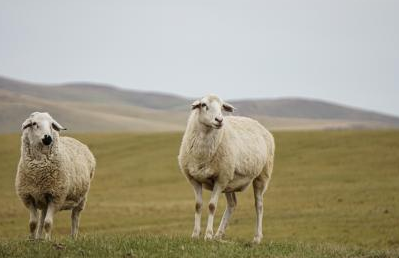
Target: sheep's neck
(38, 152)
(205, 142)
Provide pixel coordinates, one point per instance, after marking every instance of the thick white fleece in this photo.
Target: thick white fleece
(62, 174)
(235, 154)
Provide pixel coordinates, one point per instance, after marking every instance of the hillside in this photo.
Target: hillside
(85, 107)
(80, 116)
(93, 93)
(310, 109)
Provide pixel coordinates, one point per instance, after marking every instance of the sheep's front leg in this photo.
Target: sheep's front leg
(48, 221)
(231, 204)
(217, 189)
(32, 220)
(198, 208)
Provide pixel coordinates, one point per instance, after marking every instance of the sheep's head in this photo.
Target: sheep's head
(41, 129)
(210, 111)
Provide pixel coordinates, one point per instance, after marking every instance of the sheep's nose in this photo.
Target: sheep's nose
(47, 139)
(219, 120)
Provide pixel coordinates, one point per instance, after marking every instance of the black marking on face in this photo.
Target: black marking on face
(26, 126)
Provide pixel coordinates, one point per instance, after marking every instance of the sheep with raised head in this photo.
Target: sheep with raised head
(54, 174)
(225, 155)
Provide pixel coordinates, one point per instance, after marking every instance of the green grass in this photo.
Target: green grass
(332, 194)
(166, 246)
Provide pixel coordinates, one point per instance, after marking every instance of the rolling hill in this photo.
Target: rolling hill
(99, 107)
(79, 116)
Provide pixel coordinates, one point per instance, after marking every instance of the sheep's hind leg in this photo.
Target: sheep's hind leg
(260, 186)
(41, 223)
(217, 189)
(75, 217)
(231, 204)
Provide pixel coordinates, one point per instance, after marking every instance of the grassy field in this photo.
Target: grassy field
(166, 246)
(333, 194)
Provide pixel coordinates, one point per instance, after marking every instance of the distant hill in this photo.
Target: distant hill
(79, 116)
(98, 107)
(93, 93)
(310, 109)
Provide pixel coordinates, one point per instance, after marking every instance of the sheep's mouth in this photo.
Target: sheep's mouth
(217, 126)
(45, 149)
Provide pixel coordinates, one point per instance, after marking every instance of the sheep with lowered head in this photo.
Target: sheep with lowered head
(225, 155)
(54, 173)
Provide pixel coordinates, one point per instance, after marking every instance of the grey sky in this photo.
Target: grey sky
(341, 50)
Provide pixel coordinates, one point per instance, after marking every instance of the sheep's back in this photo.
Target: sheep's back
(79, 163)
(251, 144)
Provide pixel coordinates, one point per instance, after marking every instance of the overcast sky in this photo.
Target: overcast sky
(345, 51)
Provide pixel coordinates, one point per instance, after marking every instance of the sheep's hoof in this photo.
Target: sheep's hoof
(39, 237)
(218, 236)
(195, 235)
(208, 236)
(257, 239)
(47, 237)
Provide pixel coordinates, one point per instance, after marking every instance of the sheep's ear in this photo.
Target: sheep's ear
(227, 107)
(35, 113)
(56, 126)
(26, 124)
(196, 104)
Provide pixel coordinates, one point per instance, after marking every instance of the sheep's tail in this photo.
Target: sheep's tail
(270, 157)
(92, 168)
(270, 165)
(92, 174)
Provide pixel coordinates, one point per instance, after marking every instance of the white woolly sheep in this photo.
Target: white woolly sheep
(225, 155)
(54, 173)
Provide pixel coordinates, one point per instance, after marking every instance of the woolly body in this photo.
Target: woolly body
(63, 175)
(235, 154)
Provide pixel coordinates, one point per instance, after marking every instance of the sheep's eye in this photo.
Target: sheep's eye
(34, 123)
(204, 105)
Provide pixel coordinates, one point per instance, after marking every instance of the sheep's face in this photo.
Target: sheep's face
(41, 129)
(210, 111)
